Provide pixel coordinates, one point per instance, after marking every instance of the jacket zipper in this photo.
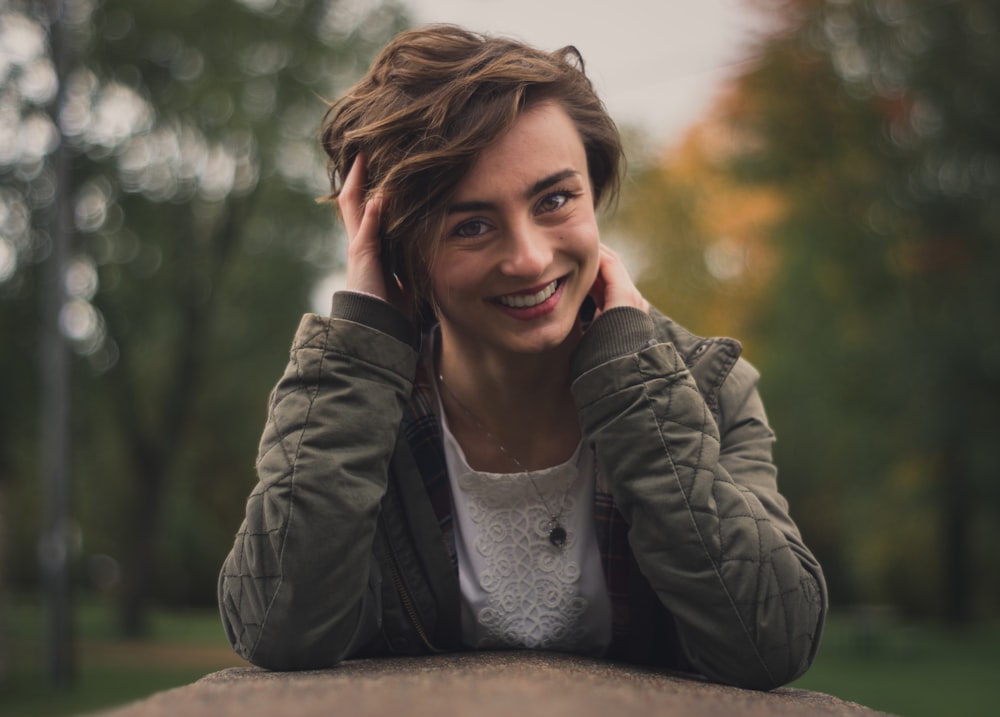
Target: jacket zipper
(404, 597)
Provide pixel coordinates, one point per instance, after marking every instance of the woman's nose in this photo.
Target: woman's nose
(528, 251)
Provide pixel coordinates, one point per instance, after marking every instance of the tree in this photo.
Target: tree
(878, 122)
(192, 126)
(837, 212)
(697, 235)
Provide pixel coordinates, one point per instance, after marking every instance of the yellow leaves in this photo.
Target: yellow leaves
(704, 233)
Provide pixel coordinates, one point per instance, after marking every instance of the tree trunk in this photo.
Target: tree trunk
(54, 549)
(140, 555)
(957, 510)
(153, 448)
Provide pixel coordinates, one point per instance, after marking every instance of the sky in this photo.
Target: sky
(657, 64)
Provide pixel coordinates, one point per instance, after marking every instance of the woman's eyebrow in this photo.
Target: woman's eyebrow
(541, 185)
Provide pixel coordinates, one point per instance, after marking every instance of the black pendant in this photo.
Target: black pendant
(557, 535)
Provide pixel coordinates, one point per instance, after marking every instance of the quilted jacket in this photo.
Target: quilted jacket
(345, 549)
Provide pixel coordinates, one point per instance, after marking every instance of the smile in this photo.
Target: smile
(527, 301)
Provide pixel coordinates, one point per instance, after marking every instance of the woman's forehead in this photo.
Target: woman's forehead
(543, 143)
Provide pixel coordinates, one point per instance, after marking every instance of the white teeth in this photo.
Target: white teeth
(525, 301)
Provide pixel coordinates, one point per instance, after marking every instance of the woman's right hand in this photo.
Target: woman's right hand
(365, 272)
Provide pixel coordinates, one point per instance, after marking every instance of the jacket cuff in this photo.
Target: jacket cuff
(371, 311)
(616, 332)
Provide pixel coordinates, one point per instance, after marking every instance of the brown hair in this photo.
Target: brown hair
(432, 100)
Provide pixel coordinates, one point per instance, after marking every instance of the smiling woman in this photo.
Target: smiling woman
(519, 248)
(494, 441)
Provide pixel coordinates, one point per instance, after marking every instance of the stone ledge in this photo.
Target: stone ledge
(486, 684)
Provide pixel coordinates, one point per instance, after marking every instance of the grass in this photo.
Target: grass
(182, 647)
(907, 670)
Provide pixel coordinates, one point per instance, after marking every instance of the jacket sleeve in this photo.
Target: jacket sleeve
(707, 525)
(300, 588)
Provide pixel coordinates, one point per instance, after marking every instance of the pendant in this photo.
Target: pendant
(557, 535)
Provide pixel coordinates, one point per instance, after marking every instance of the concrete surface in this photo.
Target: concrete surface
(484, 684)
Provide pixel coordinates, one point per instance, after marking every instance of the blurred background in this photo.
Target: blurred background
(818, 178)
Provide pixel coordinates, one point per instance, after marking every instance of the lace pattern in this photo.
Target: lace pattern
(518, 589)
(532, 587)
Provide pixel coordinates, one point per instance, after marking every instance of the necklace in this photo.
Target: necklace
(556, 532)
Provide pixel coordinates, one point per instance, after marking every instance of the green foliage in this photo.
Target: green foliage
(850, 177)
(661, 208)
(192, 128)
(880, 124)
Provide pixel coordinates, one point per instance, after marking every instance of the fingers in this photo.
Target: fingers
(371, 218)
(614, 287)
(351, 199)
(362, 216)
(361, 220)
(364, 266)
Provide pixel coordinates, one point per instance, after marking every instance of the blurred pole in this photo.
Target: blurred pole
(54, 364)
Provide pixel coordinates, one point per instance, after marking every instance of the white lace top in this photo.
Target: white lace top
(519, 590)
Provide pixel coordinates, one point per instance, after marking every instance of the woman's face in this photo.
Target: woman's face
(520, 246)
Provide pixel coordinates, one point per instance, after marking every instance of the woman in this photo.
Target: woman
(494, 441)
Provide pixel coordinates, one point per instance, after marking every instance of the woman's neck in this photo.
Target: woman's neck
(521, 402)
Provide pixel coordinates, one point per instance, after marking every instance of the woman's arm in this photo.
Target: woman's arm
(300, 588)
(708, 527)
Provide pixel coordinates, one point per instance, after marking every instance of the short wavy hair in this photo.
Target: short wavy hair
(432, 100)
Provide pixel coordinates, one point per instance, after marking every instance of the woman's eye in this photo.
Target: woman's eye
(471, 229)
(554, 201)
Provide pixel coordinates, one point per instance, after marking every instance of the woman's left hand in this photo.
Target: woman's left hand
(613, 286)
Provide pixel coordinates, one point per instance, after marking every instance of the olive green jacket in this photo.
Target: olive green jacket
(341, 553)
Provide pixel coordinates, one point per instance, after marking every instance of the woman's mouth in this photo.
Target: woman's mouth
(527, 301)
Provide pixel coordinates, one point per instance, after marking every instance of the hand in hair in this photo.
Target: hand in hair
(613, 286)
(362, 218)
